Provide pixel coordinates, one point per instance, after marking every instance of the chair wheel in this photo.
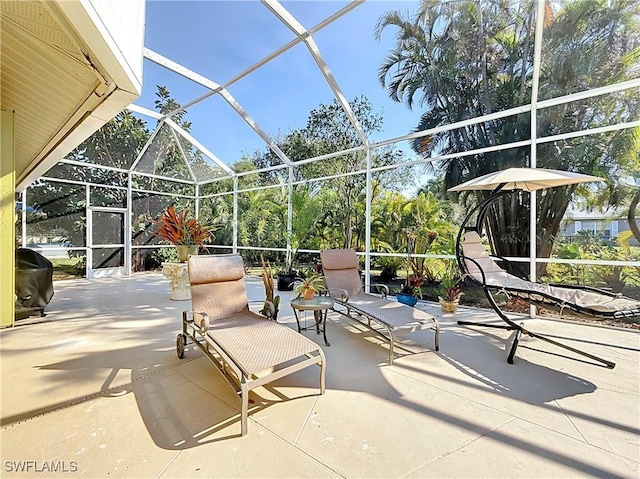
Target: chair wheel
(181, 342)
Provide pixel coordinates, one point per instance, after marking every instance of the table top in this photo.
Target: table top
(318, 303)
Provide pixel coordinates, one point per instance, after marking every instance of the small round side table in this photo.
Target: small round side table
(320, 305)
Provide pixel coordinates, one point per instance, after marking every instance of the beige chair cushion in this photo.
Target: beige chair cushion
(215, 268)
(340, 267)
(217, 285)
(473, 248)
(339, 259)
(391, 313)
(497, 277)
(256, 343)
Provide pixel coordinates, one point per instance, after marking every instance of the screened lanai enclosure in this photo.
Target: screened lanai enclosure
(310, 125)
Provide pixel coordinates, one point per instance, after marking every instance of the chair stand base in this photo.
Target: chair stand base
(488, 325)
(514, 345)
(519, 330)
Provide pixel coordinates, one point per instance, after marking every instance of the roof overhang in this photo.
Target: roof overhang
(67, 69)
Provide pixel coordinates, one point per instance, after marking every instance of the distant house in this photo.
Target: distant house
(607, 225)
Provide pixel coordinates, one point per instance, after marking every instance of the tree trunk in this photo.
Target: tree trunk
(631, 216)
(508, 226)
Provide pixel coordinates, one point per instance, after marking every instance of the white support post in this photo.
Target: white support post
(128, 230)
(533, 211)
(197, 205)
(367, 234)
(88, 231)
(289, 256)
(23, 217)
(235, 214)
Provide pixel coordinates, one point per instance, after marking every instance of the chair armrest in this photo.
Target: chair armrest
(383, 287)
(198, 318)
(341, 294)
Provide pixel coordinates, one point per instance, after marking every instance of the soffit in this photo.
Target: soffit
(45, 78)
(58, 68)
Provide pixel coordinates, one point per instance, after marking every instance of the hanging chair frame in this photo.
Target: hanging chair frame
(536, 298)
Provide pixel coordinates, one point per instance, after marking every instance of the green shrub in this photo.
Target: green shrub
(389, 266)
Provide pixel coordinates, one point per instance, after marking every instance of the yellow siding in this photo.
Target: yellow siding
(7, 220)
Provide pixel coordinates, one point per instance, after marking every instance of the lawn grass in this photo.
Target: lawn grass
(68, 268)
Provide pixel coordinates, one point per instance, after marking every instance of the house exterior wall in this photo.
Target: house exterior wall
(606, 228)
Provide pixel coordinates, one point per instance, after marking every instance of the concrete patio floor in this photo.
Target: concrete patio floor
(95, 389)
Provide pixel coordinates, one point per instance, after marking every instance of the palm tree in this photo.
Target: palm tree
(463, 60)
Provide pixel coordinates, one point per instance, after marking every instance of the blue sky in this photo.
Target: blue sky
(220, 39)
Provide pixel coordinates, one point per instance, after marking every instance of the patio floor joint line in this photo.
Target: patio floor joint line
(20, 419)
(461, 446)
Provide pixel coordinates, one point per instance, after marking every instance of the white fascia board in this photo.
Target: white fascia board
(114, 33)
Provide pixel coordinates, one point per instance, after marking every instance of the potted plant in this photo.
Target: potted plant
(450, 291)
(184, 232)
(286, 278)
(272, 303)
(308, 287)
(411, 291)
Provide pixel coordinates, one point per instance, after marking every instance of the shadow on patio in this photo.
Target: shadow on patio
(98, 382)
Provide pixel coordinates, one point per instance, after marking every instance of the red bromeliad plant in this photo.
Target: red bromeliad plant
(452, 293)
(412, 286)
(450, 284)
(178, 229)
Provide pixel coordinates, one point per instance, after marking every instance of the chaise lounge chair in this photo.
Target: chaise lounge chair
(340, 267)
(257, 350)
(579, 301)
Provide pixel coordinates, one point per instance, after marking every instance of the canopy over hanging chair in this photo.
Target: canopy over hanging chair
(475, 262)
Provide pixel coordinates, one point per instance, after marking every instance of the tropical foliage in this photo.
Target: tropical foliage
(450, 289)
(454, 61)
(328, 130)
(460, 60)
(588, 246)
(178, 228)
